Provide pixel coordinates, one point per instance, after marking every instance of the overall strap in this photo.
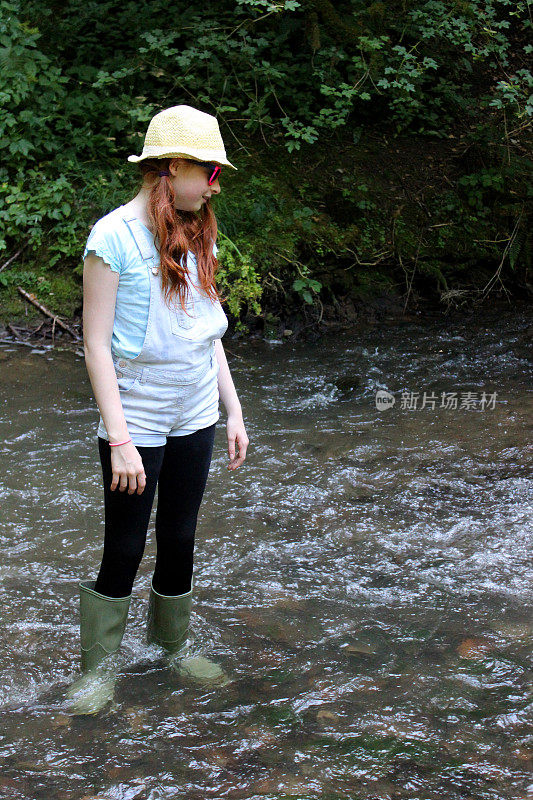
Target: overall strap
(143, 240)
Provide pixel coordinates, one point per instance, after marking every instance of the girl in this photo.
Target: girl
(152, 326)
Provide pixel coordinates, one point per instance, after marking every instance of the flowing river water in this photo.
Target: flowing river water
(364, 579)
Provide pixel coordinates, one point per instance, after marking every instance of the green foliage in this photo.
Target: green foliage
(31, 91)
(305, 286)
(237, 279)
(288, 81)
(477, 184)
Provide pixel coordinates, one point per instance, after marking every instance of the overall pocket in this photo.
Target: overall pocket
(189, 323)
(203, 321)
(126, 382)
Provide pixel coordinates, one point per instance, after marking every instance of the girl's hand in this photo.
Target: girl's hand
(236, 435)
(127, 467)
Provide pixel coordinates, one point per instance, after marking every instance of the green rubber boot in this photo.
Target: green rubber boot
(168, 626)
(102, 624)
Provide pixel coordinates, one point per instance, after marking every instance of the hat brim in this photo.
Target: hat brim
(223, 162)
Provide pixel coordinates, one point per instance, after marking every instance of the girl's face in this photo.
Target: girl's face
(190, 182)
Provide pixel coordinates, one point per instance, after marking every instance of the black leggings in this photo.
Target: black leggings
(180, 469)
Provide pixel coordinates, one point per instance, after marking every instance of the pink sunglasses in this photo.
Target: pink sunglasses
(214, 171)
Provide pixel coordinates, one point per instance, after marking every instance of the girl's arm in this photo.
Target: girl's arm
(100, 285)
(99, 297)
(226, 387)
(236, 432)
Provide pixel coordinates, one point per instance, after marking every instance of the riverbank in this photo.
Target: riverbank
(49, 331)
(321, 236)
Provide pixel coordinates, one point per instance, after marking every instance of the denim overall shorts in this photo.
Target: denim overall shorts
(171, 387)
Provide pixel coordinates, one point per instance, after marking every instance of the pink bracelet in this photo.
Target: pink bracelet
(117, 444)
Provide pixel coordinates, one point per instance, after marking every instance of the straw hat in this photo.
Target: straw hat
(184, 131)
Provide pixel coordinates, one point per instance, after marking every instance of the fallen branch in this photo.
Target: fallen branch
(15, 333)
(497, 275)
(9, 260)
(32, 299)
(27, 344)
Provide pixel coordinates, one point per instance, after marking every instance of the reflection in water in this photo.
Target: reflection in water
(365, 578)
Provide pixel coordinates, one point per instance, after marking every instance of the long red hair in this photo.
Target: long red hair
(177, 232)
